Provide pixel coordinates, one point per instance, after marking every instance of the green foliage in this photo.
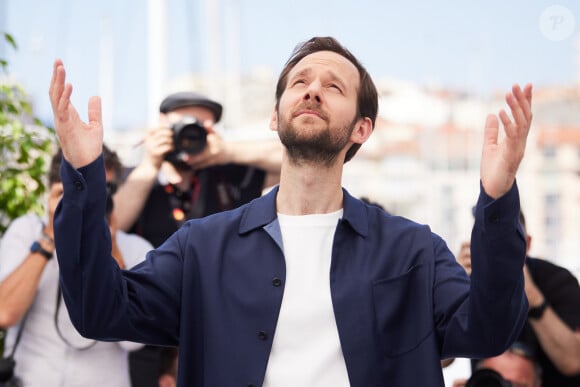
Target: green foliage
(25, 149)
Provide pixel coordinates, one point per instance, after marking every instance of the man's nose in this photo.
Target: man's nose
(313, 92)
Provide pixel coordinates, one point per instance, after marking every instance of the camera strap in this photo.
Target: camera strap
(182, 203)
(198, 203)
(219, 187)
(193, 203)
(58, 302)
(18, 335)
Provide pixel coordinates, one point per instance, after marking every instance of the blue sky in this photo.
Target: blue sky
(477, 46)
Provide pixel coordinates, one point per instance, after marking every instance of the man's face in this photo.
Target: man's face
(318, 109)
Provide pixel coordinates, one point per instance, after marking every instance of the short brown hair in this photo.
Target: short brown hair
(367, 102)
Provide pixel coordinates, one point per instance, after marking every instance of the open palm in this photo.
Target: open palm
(81, 142)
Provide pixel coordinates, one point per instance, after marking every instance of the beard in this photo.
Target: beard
(314, 145)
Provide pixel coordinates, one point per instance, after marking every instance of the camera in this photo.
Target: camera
(7, 377)
(7, 365)
(485, 377)
(189, 136)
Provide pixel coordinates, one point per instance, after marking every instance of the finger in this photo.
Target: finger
(505, 119)
(63, 102)
(57, 84)
(52, 81)
(528, 93)
(517, 112)
(528, 97)
(95, 113)
(491, 130)
(523, 102)
(208, 125)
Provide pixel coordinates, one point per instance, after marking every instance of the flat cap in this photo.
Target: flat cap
(188, 98)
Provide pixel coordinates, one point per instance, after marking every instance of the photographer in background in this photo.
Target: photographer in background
(553, 326)
(189, 171)
(516, 367)
(50, 351)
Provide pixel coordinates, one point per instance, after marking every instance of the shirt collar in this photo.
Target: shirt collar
(262, 212)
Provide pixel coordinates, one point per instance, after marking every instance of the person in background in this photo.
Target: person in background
(50, 351)
(516, 367)
(188, 171)
(306, 285)
(553, 325)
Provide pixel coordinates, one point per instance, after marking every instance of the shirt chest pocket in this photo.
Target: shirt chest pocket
(403, 311)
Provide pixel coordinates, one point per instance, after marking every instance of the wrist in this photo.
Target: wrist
(41, 248)
(228, 153)
(536, 312)
(151, 164)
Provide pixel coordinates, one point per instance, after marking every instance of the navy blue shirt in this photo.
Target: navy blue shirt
(401, 302)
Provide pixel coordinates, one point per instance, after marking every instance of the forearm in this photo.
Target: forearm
(497, 241)
(104, 302)
(265, 154)
(561, 344)
(498, 251)
(90, 279)
(18, 290)
(132, 195)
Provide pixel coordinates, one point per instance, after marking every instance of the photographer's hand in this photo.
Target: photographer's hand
(158, 142)
(215, 152)
(132, 194)
(265, 154)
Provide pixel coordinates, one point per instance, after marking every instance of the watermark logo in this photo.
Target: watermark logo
(557, 23)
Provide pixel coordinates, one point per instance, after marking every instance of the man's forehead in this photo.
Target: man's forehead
(333, 62)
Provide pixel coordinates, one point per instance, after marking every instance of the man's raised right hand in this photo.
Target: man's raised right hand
(81, 143)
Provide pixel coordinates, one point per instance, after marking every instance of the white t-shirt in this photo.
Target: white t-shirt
(306, 349)
(42, 357)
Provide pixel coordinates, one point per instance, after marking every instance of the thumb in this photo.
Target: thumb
(491, 130)
(95, 113)
(208, 125)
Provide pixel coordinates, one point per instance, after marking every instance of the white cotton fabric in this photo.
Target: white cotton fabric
(306, 348)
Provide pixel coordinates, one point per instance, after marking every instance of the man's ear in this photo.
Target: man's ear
(362, 130)
(274, 120)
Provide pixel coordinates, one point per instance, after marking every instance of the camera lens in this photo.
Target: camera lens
(189, 136)
(487, 378)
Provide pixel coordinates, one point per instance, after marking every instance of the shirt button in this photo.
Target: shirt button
(494, 218)
(262, 335)
(276, 281)
(78, 185)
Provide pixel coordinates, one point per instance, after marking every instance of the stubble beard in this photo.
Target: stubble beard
(314, 146)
